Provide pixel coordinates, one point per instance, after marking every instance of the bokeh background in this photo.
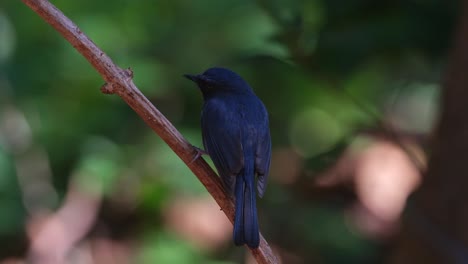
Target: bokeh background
(351, 87)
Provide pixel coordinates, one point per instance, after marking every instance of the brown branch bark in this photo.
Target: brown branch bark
(120, 82)
(435, 229)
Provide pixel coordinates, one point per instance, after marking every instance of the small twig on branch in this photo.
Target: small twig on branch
(120, 82)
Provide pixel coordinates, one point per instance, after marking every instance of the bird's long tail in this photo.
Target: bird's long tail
(245, 221)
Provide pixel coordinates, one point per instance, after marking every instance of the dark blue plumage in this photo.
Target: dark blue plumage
(237, 138)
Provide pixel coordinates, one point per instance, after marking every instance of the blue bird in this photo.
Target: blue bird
(236, 135)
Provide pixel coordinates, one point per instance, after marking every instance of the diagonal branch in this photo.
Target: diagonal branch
(119, 81)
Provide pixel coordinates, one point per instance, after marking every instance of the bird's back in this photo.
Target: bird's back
(238, 122)
(244, 113)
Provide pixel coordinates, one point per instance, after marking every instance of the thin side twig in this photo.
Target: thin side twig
(120, 82)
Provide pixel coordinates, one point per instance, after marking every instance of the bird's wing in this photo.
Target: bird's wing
(222, 140)
(263, 152)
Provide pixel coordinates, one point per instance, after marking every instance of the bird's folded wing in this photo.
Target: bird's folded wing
(263, 157)
(222, 140)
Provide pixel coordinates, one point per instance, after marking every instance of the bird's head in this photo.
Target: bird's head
(215, 80)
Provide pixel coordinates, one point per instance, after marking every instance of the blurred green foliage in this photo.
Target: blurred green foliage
(323, 68)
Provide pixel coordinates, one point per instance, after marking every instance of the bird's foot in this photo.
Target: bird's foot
(199, 153)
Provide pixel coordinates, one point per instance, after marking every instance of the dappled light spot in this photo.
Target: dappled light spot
(415, 109)
(35, 180)
(383, 176)
(54, 235)
(31, 161)
(15, 131)
(200, 221)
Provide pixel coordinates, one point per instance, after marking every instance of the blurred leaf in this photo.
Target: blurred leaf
(328, 230)
(12, 213)
(162, 248)
(325, 159)
(7, 37)
(314, 131)
(99, 165)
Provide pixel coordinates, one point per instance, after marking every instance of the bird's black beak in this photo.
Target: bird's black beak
(194, 78)
(199, 79)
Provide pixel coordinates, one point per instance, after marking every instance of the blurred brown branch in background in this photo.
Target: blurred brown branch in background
(435, 230)
(120, 82)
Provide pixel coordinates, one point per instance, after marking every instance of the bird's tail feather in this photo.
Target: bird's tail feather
(245, 221)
